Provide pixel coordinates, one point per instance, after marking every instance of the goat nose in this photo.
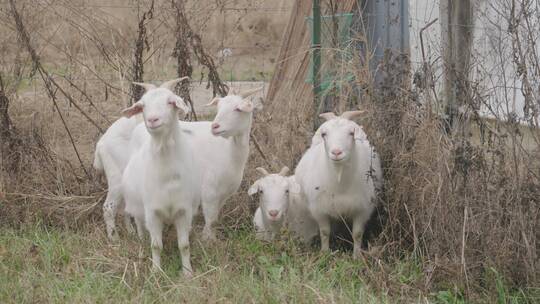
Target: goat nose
(215, 125)
(273, 213)
(337, 152)
(153, 119)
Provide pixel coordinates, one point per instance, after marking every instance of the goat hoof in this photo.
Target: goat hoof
(113, 237)
(130, 229)
(188, 274)
(209, 236)
(357, 254)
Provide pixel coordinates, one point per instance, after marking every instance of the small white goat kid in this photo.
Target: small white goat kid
(161, 183)
(275, 192)
(112, 155)
(338, 175)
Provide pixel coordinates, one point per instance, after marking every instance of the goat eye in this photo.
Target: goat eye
(351, 133)
(237, 110)
(287, 191)
(323, 134)
(260, 191)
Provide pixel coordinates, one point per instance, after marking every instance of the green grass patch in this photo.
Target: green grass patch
(51, 265)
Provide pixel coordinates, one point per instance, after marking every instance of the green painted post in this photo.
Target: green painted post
(316, 48)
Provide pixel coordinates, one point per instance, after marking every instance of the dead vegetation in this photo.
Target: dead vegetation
(460, 204)
(465, 200)
(84, 63)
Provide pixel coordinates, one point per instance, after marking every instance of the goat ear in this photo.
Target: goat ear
(178, 102)
(317, 138)
(135, 109)
(294, 187)
(214, 102)
(246, 106)
(253, 189)
(359, 133)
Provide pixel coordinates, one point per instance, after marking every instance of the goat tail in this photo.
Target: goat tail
(98, 164)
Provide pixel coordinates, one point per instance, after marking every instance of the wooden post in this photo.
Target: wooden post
(457, 37)
(316, 47)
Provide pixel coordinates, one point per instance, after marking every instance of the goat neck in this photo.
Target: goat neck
(166, 139)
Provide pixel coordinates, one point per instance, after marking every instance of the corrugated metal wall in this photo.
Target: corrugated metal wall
(386, 23)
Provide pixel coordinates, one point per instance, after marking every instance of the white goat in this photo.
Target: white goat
(222, 151)
(225, 154)
(161, 183)
(111, 157)
(275, 191)
(338, 175)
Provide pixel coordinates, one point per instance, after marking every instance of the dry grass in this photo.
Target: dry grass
(463, 204)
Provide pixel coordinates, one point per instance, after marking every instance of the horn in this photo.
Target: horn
(327, 115)
(249, 92)
(284, 171)
(351, 114)
(262, 171)
(171, 83)
(214, 102)
(146, 86)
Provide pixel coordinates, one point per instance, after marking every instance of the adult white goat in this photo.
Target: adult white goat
(161, 184)
(338, 175)
(112, 155)
(275, 192)
(226, 152)
(222, 151)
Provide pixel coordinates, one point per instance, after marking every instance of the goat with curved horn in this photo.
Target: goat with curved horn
(262, 171)
(146, 86)
(249, 92)
(351, 114)
(171, 83)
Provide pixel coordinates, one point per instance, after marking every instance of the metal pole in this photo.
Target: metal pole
(316, 47)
